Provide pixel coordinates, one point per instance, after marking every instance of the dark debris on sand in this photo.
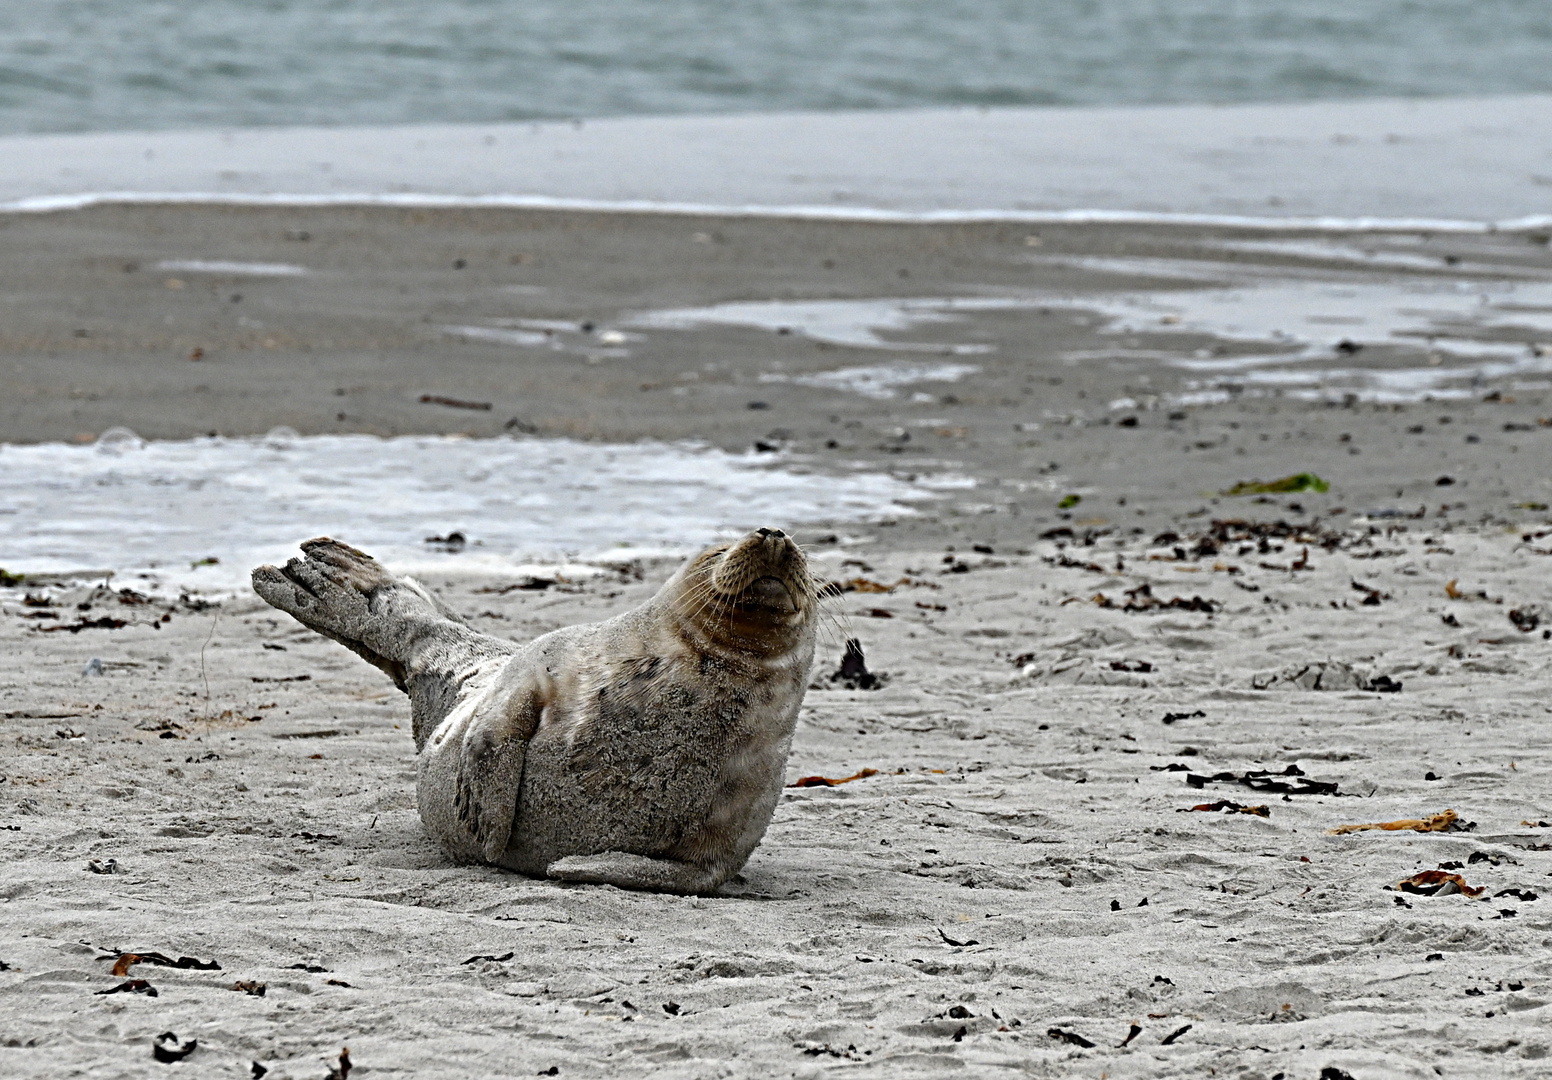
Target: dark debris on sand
(1291, 781)
(853, 674)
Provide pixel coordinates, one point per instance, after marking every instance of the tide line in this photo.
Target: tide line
(45, 204)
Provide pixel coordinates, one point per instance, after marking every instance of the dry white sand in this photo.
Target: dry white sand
(1023, 865)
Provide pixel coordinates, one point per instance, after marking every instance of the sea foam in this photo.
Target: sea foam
(167, 507)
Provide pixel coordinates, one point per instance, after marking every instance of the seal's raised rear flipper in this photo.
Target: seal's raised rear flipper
(391, 622)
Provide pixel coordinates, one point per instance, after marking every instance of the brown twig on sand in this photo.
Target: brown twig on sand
(1444, 822)
(208, 637)
(454, 403)
(826, 781)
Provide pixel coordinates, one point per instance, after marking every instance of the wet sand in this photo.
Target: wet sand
(98, 333)
(977, 906)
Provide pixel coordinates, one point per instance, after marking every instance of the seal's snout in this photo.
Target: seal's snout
(764, 569)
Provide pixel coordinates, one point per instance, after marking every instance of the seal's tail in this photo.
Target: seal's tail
(392, 622)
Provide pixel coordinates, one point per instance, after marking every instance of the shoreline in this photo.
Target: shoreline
(53, 204)
(1431, 159)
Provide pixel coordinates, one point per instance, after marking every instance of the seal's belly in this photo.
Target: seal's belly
(640, 762)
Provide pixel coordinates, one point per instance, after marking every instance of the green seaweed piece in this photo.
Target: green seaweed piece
(11, 581)
(1069, 502)
(1303, 481)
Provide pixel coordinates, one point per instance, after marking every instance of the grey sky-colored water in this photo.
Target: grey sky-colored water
(105, 65)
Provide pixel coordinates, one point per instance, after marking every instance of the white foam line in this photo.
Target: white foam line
(879, 382)
(165, 508)
(226, 266)
(43, 204)
(499, 335)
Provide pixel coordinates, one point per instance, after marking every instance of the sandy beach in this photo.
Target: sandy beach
(1026, 860)
(1123, 707)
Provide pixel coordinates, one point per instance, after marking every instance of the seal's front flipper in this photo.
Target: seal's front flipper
(636, 872)
(489, 777)
(471, 770)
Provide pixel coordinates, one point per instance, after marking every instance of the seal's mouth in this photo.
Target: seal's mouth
(768, 592)
(755, 591)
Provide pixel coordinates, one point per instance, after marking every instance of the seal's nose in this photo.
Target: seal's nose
(776, 534)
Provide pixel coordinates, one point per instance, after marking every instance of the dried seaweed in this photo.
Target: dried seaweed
(133, 986)
(1065, 560)
(1372, 597)
(103, 623)
(1069, 1037)
(126, 960)
(853, 674)
(1270, 782)
(167, 1049)
(341, 1071)
(826, 781)
(1439, 883)
(1527, 618)
(1230, 806)
(864, 585)
(1141, 599)
(1288, 485)
(1446, 821)
(1169, 1039)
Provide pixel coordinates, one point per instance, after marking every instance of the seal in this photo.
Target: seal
(646, 751)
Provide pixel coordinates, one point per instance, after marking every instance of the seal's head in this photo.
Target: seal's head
(754, 594)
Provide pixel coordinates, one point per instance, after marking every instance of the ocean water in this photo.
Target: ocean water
(105, 65)
(201, 513)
